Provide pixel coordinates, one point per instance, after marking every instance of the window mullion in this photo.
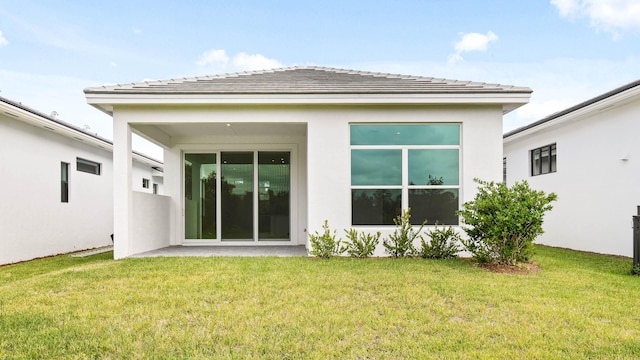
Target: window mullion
(405, 178)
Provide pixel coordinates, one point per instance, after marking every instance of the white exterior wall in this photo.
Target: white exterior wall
(321, 169)
(151, 218)
(33, 220)
(329, 177)
(598, 192)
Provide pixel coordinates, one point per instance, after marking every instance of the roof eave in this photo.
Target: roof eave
(602, 102)
(35, 118)
(106, 100)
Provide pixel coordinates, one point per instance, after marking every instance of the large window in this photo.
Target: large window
(400, 166)
(543, 160)
(87, 166)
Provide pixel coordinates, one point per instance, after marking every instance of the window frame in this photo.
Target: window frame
(64, 182)
(97, 167)
(540, 168)
(504, 170)
(405, 187)
(145, 183)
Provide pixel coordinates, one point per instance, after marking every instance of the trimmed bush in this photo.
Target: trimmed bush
(443, 244)
(504, 221)
(325, 245)
(400, 243)
(360, 244)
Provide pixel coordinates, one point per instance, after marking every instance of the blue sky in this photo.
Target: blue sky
(566, 50)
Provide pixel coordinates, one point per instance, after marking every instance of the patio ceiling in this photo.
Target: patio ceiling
(162, 134)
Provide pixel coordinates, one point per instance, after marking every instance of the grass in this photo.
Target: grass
(578, 306)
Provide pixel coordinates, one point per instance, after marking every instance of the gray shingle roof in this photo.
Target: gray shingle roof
(307, 80)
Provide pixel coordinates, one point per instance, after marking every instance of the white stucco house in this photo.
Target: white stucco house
(57, 187)
(263, 158)
(589, 155)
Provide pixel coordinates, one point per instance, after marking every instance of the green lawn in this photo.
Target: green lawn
(578, 306)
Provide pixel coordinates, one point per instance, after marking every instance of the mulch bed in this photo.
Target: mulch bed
(520, 269)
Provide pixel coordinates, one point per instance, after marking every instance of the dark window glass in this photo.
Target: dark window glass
(64, 182)
(504, 170)
(375, 206)
(88, 166)
(543, 160)
(145, 183)
(237, 195)
(436, 206)
(274, 185)
(200, 196)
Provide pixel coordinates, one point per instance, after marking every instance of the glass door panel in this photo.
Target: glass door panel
(200, 196)
(274, 185)
(236, 196)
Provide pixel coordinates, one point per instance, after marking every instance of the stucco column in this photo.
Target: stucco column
(122, 188)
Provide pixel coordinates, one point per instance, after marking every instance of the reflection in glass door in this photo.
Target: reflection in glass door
(274, 185)
(250, 203)
(236, 196)
(200, 196)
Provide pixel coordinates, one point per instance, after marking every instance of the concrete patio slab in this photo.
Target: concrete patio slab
(205, 251)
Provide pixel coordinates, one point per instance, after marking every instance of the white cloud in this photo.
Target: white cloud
(613, 16)
(472, 42)
(217, 60)
(213, 57)
(475, 42)
(3, 40)
(254, 62)
(137, 31)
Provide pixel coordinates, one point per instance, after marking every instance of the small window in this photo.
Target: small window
(504, 170)
(88, 166)
(145, 183)
(543, 160)
(155, 188)
(64, 182)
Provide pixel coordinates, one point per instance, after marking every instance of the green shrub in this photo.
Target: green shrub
(400, 243)
(504, 221)
(443, 244)
(325, 245)
(360, 244)
(635, 270)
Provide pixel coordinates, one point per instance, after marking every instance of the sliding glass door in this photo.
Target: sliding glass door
(252, 197)
(236, 195)
(274, 188)
(200, 192)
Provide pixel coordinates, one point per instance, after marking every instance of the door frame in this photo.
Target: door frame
(293, 195)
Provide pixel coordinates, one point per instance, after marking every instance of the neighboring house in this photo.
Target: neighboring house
(589, 155)
(57, 185)
(263, 158)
